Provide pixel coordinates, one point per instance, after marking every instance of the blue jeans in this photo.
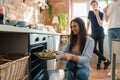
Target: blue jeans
(72, 72)
(113, 33)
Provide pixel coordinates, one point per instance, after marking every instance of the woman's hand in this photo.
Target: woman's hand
(67, 56)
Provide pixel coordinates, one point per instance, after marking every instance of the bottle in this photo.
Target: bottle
(2, 12)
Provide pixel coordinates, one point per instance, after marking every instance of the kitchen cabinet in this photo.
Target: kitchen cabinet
(17, 44)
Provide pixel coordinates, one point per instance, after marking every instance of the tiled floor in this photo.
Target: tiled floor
(101, 74)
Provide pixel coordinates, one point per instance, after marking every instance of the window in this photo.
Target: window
(80, 9)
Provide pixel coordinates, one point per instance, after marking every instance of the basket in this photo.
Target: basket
(14, 68)
(4, 70)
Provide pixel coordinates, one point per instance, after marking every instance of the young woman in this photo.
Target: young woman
(95, 17)
(78, 52)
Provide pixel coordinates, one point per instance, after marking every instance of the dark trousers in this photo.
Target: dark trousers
(99, 38)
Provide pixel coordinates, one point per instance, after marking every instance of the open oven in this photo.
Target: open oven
(37, 66)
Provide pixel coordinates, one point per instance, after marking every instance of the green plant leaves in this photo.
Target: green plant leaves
(106, 1)
(63, 19)
(49, 9)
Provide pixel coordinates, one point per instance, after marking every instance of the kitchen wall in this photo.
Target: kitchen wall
(27, 10)
(57, 7)
(24, 10)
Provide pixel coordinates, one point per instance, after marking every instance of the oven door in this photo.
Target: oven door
(37, 65)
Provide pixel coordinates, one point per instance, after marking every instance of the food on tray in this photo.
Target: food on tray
(47, 54)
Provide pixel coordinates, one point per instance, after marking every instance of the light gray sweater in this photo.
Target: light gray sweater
(84, 58)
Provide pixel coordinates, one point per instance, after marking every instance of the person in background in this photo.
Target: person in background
(95, 17)
(77, 52)
(112, 16)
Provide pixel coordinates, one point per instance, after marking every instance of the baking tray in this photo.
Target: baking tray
(44, 58)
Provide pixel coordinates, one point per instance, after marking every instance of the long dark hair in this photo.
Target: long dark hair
(82, 35)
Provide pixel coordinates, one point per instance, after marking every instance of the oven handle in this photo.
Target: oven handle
(38, 46)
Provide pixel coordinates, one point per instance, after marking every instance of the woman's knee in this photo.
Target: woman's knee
(83, 74)
(68, 75)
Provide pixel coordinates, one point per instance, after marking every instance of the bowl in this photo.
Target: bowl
(21, 24)
(11, 22)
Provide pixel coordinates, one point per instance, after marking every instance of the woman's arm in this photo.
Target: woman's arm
(86, 55)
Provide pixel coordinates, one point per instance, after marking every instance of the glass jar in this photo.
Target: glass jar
(2, 12)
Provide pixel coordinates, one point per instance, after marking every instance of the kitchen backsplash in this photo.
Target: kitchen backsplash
(23, 10)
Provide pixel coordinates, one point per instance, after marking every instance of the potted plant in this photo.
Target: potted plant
(63, 20)
(106, 1)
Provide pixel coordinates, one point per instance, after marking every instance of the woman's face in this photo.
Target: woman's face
(94, 5)
(75, 28)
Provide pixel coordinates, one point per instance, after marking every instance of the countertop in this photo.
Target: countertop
(8, 28)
